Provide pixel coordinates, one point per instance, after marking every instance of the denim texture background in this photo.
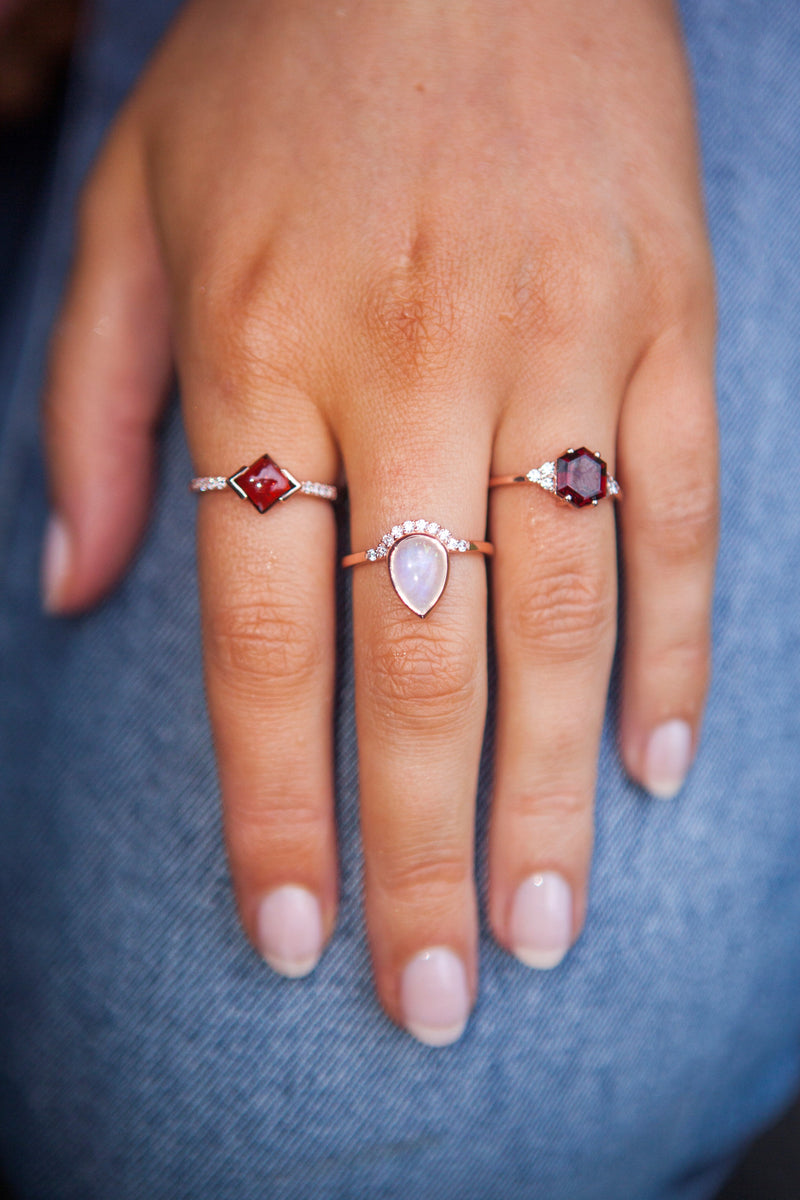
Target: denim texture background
(146, 1050)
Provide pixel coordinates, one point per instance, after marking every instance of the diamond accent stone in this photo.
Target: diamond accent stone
(371, 555)
(408, 526)
(444, 535)
(387, 539)
(463, 546)
(432, 528)
(381, 551)
(544, 476)
(397, 531)
(419, 526)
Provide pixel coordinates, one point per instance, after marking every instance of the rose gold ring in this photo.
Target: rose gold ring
(263, 484)
(418, 553)
(579, 477)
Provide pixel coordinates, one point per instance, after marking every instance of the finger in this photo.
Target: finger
(554, 604)
(421, 694)
(267, 606)
(109, 368)
(668, 460)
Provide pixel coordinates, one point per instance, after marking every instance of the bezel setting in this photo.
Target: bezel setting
(418, 553)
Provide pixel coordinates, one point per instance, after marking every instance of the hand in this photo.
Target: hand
(35, 41)
(418, 244)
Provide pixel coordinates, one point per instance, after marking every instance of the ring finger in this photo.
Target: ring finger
(554, 581)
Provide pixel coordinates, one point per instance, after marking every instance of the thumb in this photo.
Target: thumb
(108, 376)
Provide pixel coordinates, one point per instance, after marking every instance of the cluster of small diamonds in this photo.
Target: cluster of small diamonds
(612, 487)
(326, 490)
(545, 476)
(209, 483)
(429, 527)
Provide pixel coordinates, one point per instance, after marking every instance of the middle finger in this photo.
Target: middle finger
(420, 704)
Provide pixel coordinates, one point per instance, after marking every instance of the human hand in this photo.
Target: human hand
(35, 40)
(415, 244)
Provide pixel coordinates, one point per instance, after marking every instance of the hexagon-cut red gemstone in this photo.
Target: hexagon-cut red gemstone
(581, 477)
(262, 483)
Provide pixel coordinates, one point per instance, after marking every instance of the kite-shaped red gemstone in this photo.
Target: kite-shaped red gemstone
(263, 483)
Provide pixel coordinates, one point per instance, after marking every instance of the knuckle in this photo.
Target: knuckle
(272, 824)
(420, 679)
(684, 656)
(251, 644)
(678, 274)
(561, 290)
(549, 810)
(245, 325)
(685, 528)
(409, 314)
(564, 613)
(417, 873)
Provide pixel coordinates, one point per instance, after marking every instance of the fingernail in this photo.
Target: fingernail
(541, 920)
(667, 759)
(55, 562)
(289, 930)
(435, 996)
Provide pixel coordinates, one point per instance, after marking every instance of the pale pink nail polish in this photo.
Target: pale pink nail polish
(434, 994)
(541, 920)
(667, 759)
(289, 930)
(55, 562)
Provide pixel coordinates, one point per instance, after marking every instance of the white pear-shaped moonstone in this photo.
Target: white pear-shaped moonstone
(418, 567)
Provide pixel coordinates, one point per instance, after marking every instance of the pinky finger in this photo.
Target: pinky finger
(108, 374)
(668, 460)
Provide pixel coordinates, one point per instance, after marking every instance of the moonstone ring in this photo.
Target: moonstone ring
(418, 557)
(579, 477)
(263, 483)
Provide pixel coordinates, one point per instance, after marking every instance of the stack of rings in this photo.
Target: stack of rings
(418, 552)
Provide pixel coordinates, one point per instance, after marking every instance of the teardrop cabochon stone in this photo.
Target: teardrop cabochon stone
(418, 567)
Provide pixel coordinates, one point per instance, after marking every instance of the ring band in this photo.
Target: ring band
(579, 477)
(263, 483)
(418, 553)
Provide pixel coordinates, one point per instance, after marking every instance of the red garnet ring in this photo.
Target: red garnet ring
(263, 484)
(579, 477)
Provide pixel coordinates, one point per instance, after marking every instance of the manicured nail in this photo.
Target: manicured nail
(435, 996)
(667, 759)
(541, 920)
(289, 930)
(55, 562)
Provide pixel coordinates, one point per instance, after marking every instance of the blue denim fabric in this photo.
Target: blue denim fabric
(146, 1050)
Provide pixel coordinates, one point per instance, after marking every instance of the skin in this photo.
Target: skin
(409, 246)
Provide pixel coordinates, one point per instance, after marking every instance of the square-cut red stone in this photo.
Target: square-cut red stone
(581, 477)
(262, 483)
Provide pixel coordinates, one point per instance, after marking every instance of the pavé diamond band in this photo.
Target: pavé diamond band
(263, 483)
(579, 477)
(417, 553)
